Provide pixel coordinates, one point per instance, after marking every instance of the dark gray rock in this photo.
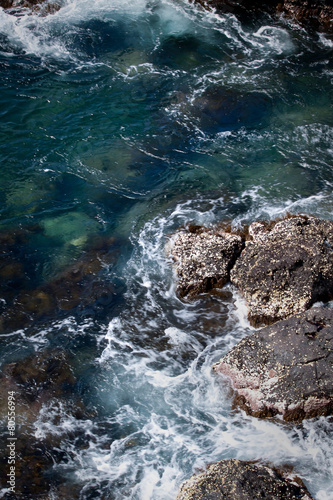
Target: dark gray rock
(239, 480)
(313, 14)
(203, 259)
(287, 267)
(286, 368)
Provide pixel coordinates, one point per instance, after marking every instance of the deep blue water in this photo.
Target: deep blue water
(120, 122)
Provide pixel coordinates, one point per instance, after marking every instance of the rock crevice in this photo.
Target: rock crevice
(282, 268)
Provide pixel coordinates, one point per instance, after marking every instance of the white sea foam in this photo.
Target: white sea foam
(163, 413)
(173, 411)
(46, 37)
(181, 410)
(33, 35)
(184, 422)
(51, 37)
(277, 39)
(325, 40)
(55, 419)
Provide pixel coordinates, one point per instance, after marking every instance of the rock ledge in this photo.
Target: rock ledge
(285, 268)
(285, 369)
(203, 259)
(235, 479)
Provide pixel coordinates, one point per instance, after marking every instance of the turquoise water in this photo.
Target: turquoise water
(120, 122)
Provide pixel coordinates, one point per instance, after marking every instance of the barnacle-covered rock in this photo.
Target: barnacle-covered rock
(286, 368)
(203, 259)
(236, 479)
(285, 268)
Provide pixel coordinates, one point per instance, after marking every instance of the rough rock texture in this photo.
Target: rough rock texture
(203, 259)
(45, 390)
(286, 268)
(286, 368)
(42, 7)
(238, 480)
(315, 14)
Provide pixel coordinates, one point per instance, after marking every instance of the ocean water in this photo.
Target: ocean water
(121, 121)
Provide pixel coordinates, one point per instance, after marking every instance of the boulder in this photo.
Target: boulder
(314, 14)
(203, 259)
(285, 369)
(317, 14)
(240, 480)
(42, 7)
(285, 268)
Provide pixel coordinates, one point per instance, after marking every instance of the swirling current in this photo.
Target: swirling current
(121, 121)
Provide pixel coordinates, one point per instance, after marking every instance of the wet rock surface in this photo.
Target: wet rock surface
(285, 268)
(19, 7)
(285, 369)
(203, 259)
(235, 479)
(314, 14)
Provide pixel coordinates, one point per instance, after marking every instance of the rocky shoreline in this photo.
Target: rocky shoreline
(281, 268)
(284, 370)
(312, 14)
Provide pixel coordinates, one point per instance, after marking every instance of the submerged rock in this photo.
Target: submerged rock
(285, 369)
(82, 288)
(44, 373)
(35, 381)
(240, 480)
(220, 108)
(14, 270)
(44, 389)
(203, 259)
(286, 267)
